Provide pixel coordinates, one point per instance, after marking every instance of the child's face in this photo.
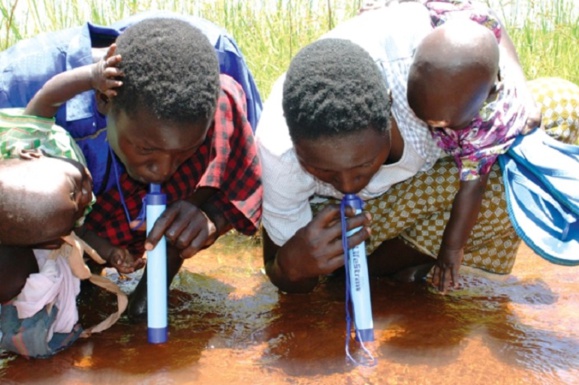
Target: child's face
(151, 149)
(72, 193)
(349, 162)
(454, 103)
(53, 197)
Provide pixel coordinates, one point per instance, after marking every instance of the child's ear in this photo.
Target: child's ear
(30, 153)
(103, 103)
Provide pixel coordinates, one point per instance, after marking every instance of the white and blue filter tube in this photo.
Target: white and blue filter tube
(357, 281)
(157, 329)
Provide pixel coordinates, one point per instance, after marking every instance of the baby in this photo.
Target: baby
(46, 191)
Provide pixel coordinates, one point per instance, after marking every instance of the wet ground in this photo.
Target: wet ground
(229, 325)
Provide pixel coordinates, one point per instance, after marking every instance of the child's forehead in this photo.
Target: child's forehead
(143, 128)
(41, 172)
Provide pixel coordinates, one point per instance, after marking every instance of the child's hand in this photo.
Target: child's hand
(123, 261)
(445, 274)
(533, 121)
(105, 73)
(534, 116)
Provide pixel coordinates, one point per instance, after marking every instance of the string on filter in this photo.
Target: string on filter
(359, 303)
(141, 217)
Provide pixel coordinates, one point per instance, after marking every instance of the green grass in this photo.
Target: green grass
(546, 35)
(270, 32)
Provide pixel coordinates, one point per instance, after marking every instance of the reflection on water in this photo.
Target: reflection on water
(228, 324)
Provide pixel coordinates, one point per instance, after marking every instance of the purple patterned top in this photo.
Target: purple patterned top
(476, 147)
(444, 10)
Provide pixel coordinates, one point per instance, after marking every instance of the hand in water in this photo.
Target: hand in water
(445, 274)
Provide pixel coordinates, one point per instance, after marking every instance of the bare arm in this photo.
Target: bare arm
(463, 217)
(65, 85)
(280, 272)
(201, 199)
(464, 214)
(119, 258)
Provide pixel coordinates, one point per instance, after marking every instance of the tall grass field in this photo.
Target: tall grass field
(270, 32)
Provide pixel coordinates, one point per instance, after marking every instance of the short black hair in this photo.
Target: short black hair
(333, 87)
(170, 68)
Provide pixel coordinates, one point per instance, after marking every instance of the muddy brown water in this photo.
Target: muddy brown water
(228, 324)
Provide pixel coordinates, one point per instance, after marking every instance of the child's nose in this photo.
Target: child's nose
(86, 197)
(161, 170)
(347, 183)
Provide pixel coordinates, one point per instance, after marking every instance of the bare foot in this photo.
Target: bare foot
(413, 273)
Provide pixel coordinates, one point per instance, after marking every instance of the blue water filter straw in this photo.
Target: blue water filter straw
(359, 280)
(157, 329)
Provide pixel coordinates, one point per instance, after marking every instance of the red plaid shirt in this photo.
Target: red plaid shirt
(227, 161)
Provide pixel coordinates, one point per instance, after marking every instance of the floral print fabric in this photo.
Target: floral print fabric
(476, 147)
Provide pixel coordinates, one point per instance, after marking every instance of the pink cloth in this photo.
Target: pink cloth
(54, 284)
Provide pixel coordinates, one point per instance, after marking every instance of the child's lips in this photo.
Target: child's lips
(138, 177)
(152, 179)
(86, 198)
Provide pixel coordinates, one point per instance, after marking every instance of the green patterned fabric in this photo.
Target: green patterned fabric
(22, 132)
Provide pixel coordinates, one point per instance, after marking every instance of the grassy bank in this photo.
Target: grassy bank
(545, 33)
(270, 32)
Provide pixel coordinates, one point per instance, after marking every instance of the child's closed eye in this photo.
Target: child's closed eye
(144, 150)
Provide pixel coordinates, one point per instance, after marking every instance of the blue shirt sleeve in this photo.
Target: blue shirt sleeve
(28, 64)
